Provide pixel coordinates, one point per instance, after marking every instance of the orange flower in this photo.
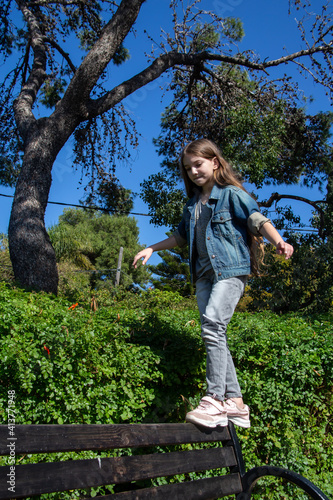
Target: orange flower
(47, 350)
(73, 306)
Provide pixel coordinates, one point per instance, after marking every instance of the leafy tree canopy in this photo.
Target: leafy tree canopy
(111, 196)
(260, 127)
(92, 240)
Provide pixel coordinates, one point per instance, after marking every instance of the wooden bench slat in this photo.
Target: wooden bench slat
(200, 489)
(33, 479)
(71, 437)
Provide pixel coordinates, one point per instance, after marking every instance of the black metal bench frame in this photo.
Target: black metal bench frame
(25, 480)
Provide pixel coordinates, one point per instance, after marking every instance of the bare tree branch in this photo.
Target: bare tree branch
(315, 204)
(166, 61)
(275, 197)
(64, 54)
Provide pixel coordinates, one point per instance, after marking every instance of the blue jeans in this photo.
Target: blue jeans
(217, 301)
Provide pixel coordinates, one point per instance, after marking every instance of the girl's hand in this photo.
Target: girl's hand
(283, 248)
(144, 254)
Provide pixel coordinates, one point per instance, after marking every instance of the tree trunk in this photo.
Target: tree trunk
(31, 252)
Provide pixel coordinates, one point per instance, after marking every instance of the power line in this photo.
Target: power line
(85, 207)
(135, 213)
(84, 271)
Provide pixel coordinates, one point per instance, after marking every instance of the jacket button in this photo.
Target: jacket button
(220, 274)
(221, 218)
(213, 256)
(208, 238)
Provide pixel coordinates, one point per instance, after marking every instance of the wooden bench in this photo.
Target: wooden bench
(22, 480)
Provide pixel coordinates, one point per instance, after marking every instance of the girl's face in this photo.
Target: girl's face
(201, 171)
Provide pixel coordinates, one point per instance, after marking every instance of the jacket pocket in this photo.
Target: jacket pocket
(222, 226)
(222, 217)
(234, 250)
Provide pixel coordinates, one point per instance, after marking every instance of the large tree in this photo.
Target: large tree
(84, 104)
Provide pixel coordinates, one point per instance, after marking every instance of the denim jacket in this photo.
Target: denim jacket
(233, 211)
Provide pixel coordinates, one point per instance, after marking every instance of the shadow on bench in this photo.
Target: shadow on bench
(23, 480)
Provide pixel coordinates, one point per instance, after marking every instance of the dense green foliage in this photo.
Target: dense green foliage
(140, 358)
(91, 240)
(303, 283)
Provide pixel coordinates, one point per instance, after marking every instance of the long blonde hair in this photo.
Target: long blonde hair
(224, 175)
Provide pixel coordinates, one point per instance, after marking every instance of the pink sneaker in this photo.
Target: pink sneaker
(237, 415)
(209, 413)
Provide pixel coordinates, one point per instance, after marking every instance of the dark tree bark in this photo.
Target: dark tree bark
(31, 252)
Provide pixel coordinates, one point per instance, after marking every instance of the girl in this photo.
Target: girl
(223, 227)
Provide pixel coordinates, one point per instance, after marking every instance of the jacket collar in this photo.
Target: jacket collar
(216, 192)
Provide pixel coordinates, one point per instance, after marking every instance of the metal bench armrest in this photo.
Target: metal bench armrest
(251, 477)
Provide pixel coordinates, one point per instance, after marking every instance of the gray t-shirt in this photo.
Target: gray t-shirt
(202, 261)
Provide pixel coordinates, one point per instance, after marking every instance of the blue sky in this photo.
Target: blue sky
(269, 30)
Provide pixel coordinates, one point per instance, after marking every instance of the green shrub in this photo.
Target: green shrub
(285, 368)
(68, 365)
(140, 358)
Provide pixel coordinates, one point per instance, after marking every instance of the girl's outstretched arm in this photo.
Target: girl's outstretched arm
(161, 245)
(269, 232)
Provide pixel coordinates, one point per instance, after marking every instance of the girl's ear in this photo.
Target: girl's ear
(216, 163)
